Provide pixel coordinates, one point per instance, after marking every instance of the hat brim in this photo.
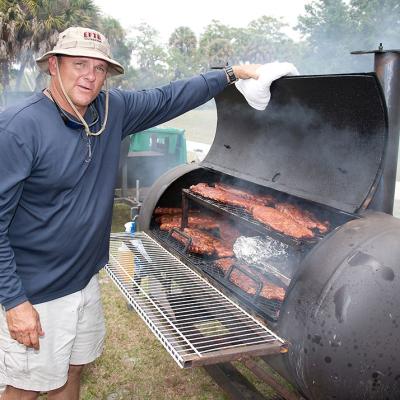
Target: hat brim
(115, 68)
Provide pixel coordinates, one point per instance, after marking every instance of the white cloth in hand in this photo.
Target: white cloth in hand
(256, 91)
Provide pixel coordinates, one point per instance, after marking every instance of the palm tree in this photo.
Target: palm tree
(182, 52)
(184, 40)
(48, 18)
(120, 46)
(12, 23)
(31, 27)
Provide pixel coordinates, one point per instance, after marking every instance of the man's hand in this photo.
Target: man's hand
(24, 325)
(246, 71)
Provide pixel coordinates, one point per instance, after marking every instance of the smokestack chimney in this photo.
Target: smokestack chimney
(387, 69)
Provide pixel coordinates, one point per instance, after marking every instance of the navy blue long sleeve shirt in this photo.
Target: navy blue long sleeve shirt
(55, 200)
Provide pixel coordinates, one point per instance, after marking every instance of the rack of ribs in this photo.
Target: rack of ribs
(246, 283)
(303, 217)
(201, 242)
(204, 243)
(167, 210)
(267, 215)
(263, 199)
(196, 220)
(281, 222)
(222, 196)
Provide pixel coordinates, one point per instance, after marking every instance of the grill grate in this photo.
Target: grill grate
(196, 323)
(268, 309)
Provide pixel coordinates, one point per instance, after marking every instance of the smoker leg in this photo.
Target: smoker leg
(232, 382)
(270, 380)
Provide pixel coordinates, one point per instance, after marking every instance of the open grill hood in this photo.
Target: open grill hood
(322, 138)
(324, 144)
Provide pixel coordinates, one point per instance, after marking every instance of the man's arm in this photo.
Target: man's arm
(15, 165)
(147, 108)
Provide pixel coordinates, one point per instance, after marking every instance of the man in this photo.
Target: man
(59, 153)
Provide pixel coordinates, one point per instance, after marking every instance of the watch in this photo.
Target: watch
(231, 75)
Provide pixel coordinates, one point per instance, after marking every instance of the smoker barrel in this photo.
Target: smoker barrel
(342, 314)
(322, 143)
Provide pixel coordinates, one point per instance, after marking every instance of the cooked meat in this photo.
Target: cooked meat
(303, 217)
(202, 243)
(323, 227)
(222, 196)
(167, 226)
(205, 243)
(280, 222)
(202, 222)
(194, 221)
(243, 281)
(222, 249)
(269, 290)
(267, 215)
(264, 199)
(247, 284)
(272, 292)
(167, 210)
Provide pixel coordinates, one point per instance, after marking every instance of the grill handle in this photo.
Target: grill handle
(251, 276)
(184, 235)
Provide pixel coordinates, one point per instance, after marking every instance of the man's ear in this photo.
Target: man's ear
(52, 65)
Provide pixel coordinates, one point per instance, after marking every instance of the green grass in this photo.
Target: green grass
(199, 125)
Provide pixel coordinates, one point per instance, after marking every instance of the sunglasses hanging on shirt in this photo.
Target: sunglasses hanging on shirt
(72, 123)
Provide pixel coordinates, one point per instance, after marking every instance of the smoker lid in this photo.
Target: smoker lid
(321, 138)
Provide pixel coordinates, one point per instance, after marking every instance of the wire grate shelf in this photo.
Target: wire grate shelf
(197, 324)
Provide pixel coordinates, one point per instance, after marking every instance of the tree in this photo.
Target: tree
(263, 41)
(216, 44)
(12, 23)
(326, 26)
(30, 27)
(183, 40)
(333, 28)
(376, 21)
(182, 53)
(121, 47)
(50, 17)
(149, 57)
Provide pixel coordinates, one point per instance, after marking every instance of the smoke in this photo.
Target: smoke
(342, 28)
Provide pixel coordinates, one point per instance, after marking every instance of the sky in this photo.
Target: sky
(166, 15)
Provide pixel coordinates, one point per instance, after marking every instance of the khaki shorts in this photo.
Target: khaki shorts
(74, 334)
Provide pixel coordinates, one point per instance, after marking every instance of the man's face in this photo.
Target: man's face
(82, 78)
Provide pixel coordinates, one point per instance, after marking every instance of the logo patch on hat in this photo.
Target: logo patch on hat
(92, 36)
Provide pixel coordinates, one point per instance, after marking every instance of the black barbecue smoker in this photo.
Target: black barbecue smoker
(329, 144)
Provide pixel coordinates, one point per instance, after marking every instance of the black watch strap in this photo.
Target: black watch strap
(231, 75)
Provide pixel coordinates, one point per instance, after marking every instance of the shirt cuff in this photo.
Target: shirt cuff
(8, 304)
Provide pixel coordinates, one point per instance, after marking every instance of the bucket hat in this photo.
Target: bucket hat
(82, 42)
